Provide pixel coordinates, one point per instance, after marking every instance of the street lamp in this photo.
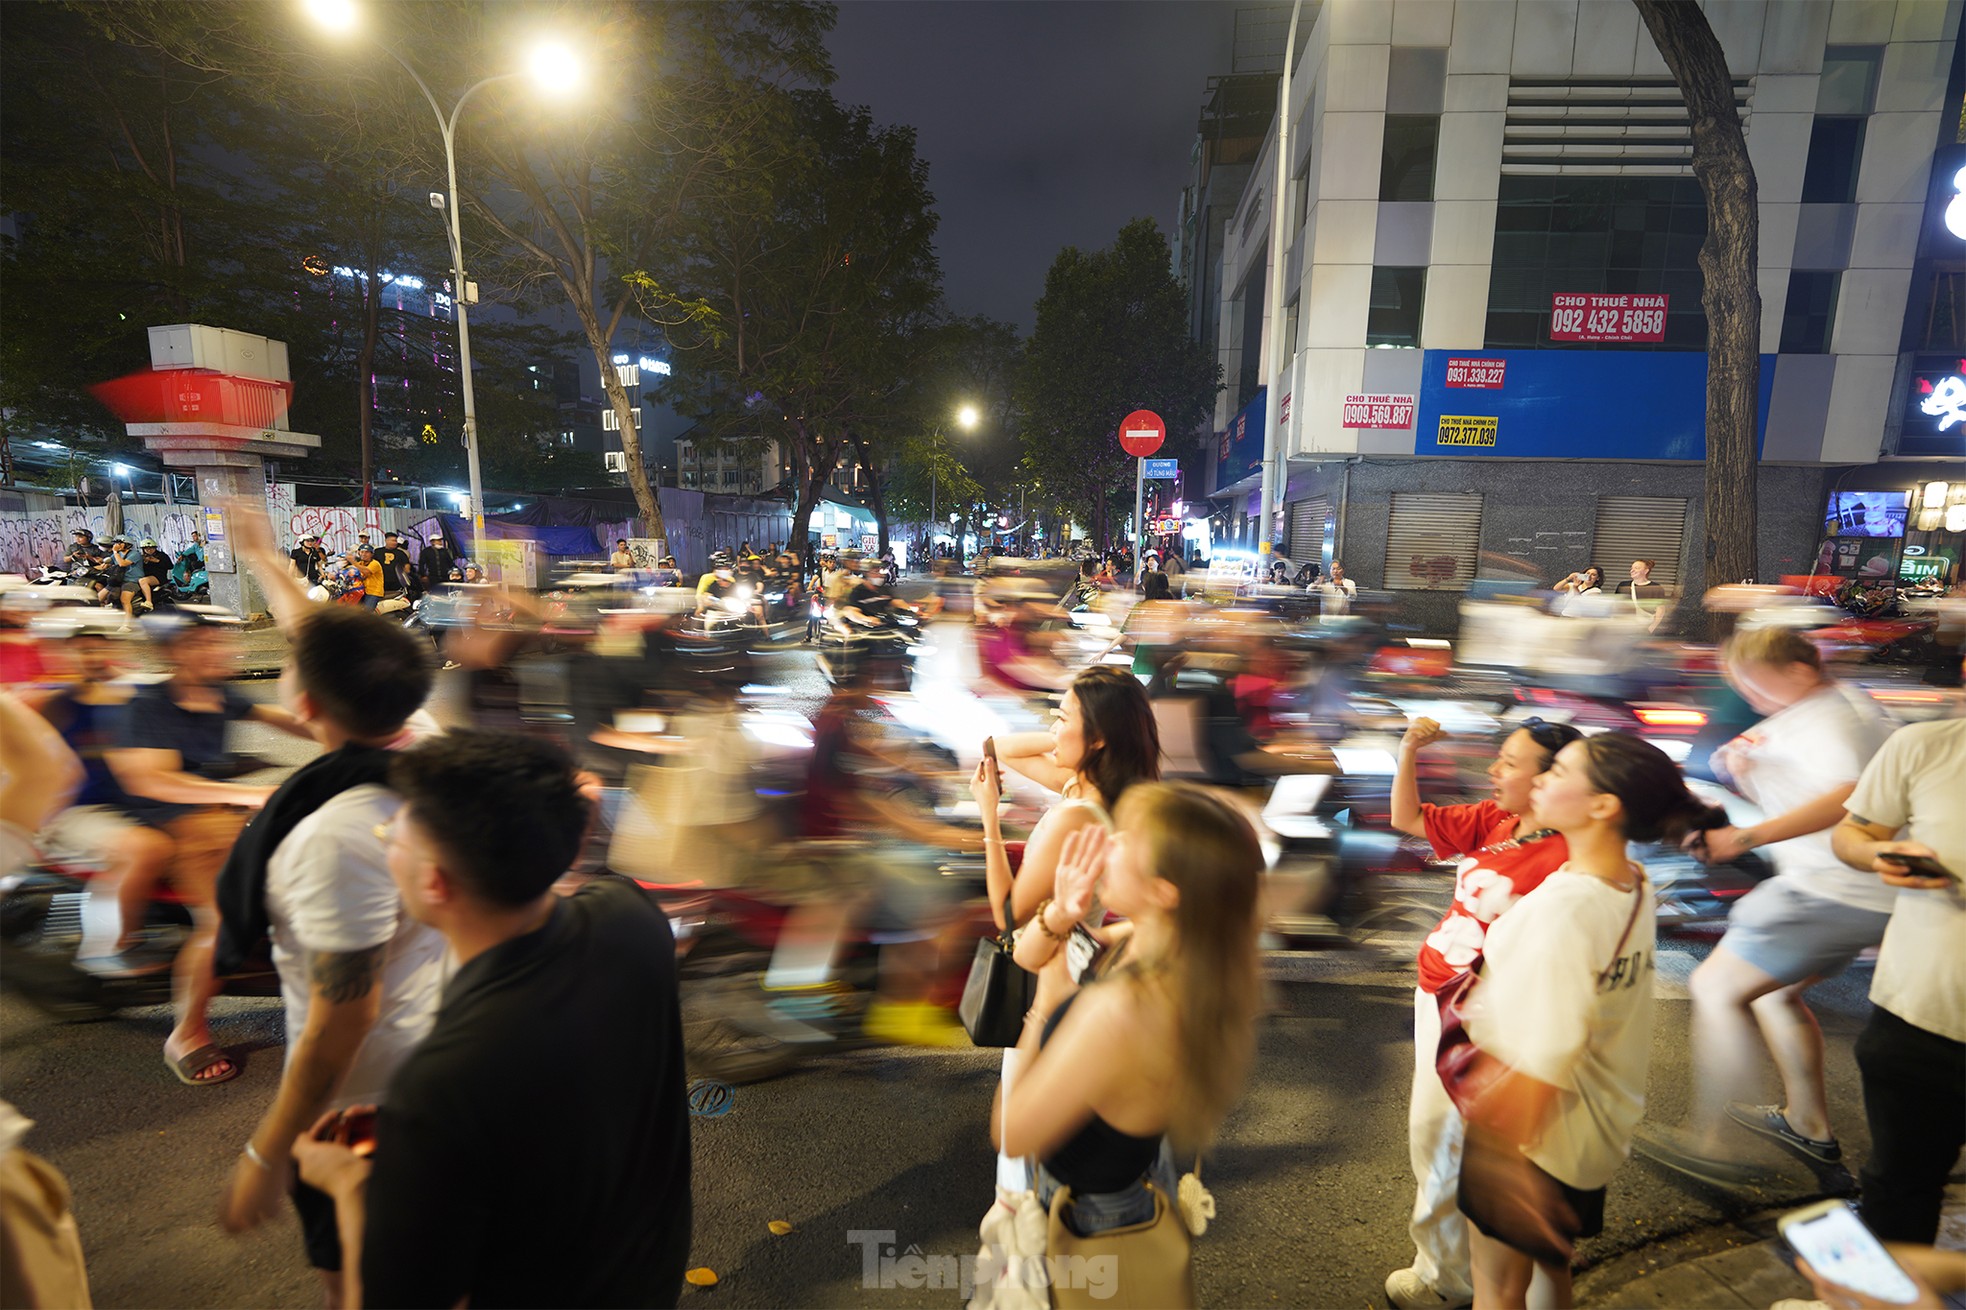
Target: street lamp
(555, 70)
(966, 419)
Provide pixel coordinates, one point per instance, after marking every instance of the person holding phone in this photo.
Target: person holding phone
(1851, 1269)
(1907, 825)
(1505, 851)
(1561, 1019)
(1104, 742)
(1157, 1042)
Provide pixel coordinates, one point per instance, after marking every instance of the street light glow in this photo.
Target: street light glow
(333, 15)
(554, 68)
(966, 418)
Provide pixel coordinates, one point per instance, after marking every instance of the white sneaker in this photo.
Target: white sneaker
(1408, 1291)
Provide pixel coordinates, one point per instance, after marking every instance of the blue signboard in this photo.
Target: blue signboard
(1239, 447)
(1163, 468)
(1578, 404)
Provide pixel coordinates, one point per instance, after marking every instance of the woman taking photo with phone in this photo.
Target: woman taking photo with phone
(1155, 1039)
(1103, 742)
(1506, 851)
(1561, 1019)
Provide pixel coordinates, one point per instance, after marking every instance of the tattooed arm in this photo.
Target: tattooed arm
(346, 997)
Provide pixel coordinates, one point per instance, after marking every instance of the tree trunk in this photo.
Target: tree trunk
(1728, 260)
(876, 493)
(646, 504)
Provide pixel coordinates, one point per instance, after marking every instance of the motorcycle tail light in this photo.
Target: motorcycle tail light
(1658, 717)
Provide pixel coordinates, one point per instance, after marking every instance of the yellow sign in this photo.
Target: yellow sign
(429, 434)
(1467, 430)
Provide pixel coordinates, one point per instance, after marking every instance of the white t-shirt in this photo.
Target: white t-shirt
(1917, 783)
(1795, 755)
(328, 889)
(1542, 1009)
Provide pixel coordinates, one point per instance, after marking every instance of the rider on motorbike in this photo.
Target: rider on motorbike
(167, 761)
(869, 603)
(717, 582)
(151, 570)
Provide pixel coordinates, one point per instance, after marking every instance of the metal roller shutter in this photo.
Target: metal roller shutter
(1639, 527)
(1433, 541)
(1307, 520)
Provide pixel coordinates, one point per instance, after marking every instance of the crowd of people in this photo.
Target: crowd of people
(446, 975)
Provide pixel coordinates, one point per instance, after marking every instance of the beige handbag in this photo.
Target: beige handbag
(1148, 1266)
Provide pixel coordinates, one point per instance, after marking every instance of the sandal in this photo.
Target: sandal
(188, 1066)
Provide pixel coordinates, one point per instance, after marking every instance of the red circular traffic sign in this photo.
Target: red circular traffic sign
(1141, 433)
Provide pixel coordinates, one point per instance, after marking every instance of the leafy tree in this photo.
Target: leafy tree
(1111, 337)
(1731, 297)
(811, 246)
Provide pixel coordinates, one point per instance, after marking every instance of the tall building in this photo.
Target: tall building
(1493, 338)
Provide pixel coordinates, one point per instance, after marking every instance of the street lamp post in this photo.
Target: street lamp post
(550, 65)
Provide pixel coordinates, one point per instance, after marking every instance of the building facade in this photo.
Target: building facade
(1493, 340)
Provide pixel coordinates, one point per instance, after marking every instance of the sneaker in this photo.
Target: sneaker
(1769, 1121)
(913, 1023)
(1675, 1152)
(1408, 1291)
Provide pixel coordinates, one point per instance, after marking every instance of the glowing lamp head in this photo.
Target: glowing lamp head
(967, 418)
(337, 16)
(554, 69)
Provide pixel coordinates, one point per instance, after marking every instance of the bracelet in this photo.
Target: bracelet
(987, 840)
(252, 1153)
(1032, 1013)
(1044, 927)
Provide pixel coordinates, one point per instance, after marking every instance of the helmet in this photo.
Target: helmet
(119, 540)
(148, 543)
(720, 559)
(77, 621)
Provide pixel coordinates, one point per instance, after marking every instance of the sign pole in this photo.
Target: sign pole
(1139, 518)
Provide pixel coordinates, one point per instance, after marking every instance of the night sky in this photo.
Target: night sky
(1045, 123)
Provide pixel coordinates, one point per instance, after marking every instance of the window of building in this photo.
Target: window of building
(1433, 540)
(730, 477)
(1567, 233)
(1406, 161)
(1836, 144)
(1809, 313)
(1639, 527)
(1394, 316)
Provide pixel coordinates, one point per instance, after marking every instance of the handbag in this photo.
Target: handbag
(1145, 1266)
(998, 993)
(1467, 1075)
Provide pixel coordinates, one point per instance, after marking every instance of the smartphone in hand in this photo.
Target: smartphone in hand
(990, 757)
(1921, 866)
(1837, 1246)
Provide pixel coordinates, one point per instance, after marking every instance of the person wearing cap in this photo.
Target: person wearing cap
(150, 570)
(437, 562)
(374, 583)
(306, 560)
(172, 743)
(83, 556)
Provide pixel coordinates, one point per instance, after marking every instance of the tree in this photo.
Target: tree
(812, 247)
(1111, 337)
(1728, 260)
(586, 207)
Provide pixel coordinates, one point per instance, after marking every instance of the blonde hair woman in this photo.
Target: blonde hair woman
(1159, 1046)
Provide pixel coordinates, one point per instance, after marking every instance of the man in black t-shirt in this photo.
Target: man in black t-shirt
(437, 562)
(395, 561)
(534, 1150)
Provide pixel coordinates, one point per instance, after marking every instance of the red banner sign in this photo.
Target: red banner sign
(1485, 374)
(1378, 411)
(1596, 317)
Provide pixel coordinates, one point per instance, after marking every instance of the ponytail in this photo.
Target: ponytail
(1657, 805)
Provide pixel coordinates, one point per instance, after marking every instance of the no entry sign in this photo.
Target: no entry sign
(1141, 433)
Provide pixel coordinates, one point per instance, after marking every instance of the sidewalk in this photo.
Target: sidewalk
(1724, 1267)
(264, 654)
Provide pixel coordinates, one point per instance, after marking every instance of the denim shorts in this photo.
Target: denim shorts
(1101, 1212)
(1791, 935)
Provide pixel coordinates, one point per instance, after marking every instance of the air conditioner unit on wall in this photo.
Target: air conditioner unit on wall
(615, 460)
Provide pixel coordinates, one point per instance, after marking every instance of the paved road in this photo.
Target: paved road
(1310, 1177)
